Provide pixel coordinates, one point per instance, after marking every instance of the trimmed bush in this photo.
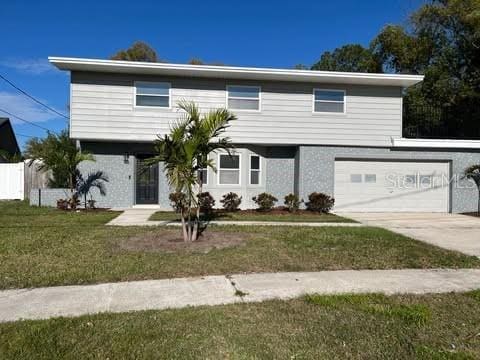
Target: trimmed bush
(320, 202)
(265, 201)
(206, 202)
(178, 201)
(231, 201)
(292, 202)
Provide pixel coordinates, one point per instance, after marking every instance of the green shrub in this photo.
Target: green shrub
(265, 201)
(62, 204)
(206, 202)
(320, 202)
(231, 201)
(292, 202)
(178, 201)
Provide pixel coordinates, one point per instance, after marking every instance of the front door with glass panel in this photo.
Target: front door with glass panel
(146, 191)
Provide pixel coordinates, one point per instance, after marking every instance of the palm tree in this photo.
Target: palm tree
(473, 173)
(186, 150)
(93, 180)
(60, 155)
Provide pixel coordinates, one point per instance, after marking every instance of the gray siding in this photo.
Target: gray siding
(102, 108)
(317, 168)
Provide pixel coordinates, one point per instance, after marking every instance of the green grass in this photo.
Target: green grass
(260, 216)
(45, 247)
(318, 327)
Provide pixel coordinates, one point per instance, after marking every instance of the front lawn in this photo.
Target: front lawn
(44, 247)
(300, 216)
(316, 327)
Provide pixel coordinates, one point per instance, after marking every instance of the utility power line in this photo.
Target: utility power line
(31, 97)
(23, 135)
(28, 122)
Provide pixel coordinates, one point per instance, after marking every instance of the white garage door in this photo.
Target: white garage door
(391, 186)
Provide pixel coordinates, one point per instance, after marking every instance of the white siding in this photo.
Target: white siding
(102, 108)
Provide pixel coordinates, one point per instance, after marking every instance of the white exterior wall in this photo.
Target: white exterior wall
(12, 181)
(102, 108)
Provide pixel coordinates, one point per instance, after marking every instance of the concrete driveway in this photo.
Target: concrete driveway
(450, 231)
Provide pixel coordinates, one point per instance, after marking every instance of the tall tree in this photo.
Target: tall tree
(441, 41)
(196, 61)
(185, 151)
(349, 58)
(139, 51)
(60, 155)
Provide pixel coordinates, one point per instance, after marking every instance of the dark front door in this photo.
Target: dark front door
(146, 182)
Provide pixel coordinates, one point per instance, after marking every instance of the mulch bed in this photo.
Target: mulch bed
(85, 210)
(172, 241)
(476, 214)
(280, 210)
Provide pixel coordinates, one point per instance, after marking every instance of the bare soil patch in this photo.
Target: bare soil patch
(172, 241)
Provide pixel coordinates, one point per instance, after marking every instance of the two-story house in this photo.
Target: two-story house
(298, 131)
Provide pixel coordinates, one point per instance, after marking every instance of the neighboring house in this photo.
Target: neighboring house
(8, 141)
(298, 131)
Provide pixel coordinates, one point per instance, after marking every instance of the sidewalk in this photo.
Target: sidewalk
(42, 303)
(139, 217)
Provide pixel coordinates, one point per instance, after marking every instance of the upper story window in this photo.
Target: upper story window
(243, 97)
(329, 101)
(229, 169)
(152, 94)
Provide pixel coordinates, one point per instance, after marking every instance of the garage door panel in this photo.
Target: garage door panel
(393, 186)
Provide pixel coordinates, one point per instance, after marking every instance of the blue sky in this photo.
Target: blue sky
(243, 33)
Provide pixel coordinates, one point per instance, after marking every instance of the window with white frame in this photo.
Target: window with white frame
(152, 94)
(203, 176)
(228, 169)
(254, 170)
(243, 97)
(329, 101)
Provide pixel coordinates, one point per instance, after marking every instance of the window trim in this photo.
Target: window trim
(152, 107)
(244, 98)
(239, 169)
(327, 112)
(259, 170)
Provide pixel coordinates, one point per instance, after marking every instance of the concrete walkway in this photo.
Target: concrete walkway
(139, 217)
(42, 303)
(450, 231)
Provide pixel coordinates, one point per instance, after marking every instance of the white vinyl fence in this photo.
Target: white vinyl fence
(12, 181)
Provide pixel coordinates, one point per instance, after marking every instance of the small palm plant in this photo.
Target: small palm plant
(59, 154)
(86, 185)
(185, 151)
(473, 173)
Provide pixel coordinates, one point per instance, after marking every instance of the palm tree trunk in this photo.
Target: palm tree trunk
(197, 219)
(189, 229)
(184, 226)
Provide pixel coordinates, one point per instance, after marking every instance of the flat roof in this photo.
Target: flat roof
(233, 72)
(436, 143)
